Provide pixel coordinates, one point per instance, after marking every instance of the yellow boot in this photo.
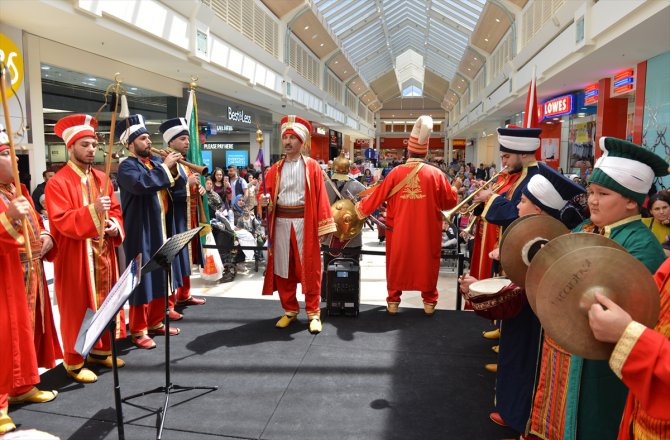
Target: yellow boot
(493, 334)
(106, 362)
(429, 308)
(6, 423)
(493, 368)
(285, 321)
(83, 375)
(496, 348)
(392, 308)
(34, 396)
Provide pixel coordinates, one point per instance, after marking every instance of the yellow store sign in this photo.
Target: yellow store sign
(12, 60)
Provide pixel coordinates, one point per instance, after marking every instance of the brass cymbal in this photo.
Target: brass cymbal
(566, 293)
(554, 250)
(522, 240)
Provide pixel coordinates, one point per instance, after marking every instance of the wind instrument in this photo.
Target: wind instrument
(453, 211)
(200, 169)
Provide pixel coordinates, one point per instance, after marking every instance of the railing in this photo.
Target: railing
(536, 13)
(501, 55)
(251, 20)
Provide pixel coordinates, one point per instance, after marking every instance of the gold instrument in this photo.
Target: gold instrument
(200, 169)
(453, 211)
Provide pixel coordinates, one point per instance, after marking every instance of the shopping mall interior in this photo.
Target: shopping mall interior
(361, 72)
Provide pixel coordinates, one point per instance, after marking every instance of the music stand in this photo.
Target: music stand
(162, 259)
(95, 323)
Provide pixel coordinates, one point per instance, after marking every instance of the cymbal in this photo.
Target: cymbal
(522, 240)
(566, 293)
(512, 226)
(554, 250)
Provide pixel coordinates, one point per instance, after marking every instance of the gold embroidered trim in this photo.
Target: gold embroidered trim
(625, 346)
(94, 216)
(489, 202)
(7, 224)
(360, 213)
(608, 228)
(413, 189)
(169, 174)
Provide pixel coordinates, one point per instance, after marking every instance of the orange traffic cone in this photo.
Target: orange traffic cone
(210, 266)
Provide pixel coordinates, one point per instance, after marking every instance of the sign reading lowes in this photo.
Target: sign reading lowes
(237, 158)
(563, 105)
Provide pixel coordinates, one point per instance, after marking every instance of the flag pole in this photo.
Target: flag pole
(15, 162)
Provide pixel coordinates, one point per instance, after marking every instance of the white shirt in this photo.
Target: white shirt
(291, 193)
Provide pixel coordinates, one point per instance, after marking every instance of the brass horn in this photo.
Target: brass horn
(453, 211)
(200, 169)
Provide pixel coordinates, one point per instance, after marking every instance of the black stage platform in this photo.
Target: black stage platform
(372, 377)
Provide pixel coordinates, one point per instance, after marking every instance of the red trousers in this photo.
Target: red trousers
(4, 401)
(147, 316)
(183, 293)
(287, 286)
(428, 297)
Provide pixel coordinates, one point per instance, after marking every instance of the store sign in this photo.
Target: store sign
(239, 116)
(217, 146)
(557, 107)
(362, 143)
(458, 143)
(220, 127)
(57, 153)
(591, 94)
(321, 130)
(10, 56)
(623, 82)
(237, 158)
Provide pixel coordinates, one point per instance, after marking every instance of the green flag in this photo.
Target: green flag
(193, 155)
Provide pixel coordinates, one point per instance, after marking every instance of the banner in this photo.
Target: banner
(194, 154)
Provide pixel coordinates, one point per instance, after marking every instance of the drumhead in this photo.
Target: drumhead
(489, 285)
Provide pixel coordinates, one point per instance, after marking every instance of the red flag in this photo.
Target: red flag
(530, 119)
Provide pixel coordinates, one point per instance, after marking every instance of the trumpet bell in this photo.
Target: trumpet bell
(346, 221)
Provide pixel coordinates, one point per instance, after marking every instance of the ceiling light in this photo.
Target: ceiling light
(46, 67)
(321, 45)
(336, 62)
(475, 58)
(486, 39)
(306, 27)
(469, 69)
(133, 88)
(93, 79)
(497, 20)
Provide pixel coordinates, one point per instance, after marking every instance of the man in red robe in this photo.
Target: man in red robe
(84, 270)
(299, 218)
(641, 359)
(18, 363)
(416, 196)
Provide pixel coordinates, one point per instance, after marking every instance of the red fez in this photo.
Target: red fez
(74, 127)
(296, 125)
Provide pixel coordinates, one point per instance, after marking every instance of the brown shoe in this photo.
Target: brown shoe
(496, 348)
(160, 331)
(105, 362)
(493, 368)
(429, 308)
(144, 342)
(392, 308)
(192, 301)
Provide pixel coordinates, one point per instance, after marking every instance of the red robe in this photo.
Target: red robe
(318, 222)
(79, 278)
(18, 362)
(641, 359)
(414, 213)
(47, 346)
(486, 239)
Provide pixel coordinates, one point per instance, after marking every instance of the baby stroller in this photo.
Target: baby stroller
(228, 246)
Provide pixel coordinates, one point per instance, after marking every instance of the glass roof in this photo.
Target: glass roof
(374, 32)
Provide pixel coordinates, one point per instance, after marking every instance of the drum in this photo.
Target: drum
(496, 298)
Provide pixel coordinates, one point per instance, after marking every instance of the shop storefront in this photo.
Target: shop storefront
(320, 148)
(228, 129)
(334, 143)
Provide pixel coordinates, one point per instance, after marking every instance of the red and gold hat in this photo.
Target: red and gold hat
(74, 127)
(296, 125)
(420, 136)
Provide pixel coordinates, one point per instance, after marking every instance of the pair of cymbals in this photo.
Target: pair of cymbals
(522, 239)
(565, 293)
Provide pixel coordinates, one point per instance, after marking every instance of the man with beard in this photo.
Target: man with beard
(299, 217)
(145, 182)
(185, 208)
(85, 269)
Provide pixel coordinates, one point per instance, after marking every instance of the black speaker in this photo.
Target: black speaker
(344, 287)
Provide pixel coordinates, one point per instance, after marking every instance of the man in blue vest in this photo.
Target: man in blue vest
(237, 184)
